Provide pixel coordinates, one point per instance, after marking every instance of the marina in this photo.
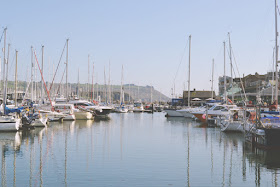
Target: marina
(146, 93)
(134, 149)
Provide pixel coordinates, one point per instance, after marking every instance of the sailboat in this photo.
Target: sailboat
(122, 108)
(187, 112)
(7, 122)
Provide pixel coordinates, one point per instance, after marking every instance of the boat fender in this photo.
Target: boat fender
(204, 116)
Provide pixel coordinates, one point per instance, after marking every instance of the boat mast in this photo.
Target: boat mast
(121, 93)
(151, 94)
(212, 94)
(67, 71)
(42, 69)
(189, 79)
(35, 83)
(92, 81)
(78, 91)
(16, 78)
(225, 90)
(109, 84)
(88, 81)
(276, 57)
(4, 61)
(6, 81)
(272, 87)
(129, 94)
(105, 88)
(32, 65)
(231, 79)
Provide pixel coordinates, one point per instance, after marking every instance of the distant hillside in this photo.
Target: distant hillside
(132, 91)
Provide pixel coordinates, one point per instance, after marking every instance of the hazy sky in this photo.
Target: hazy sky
(148, 37)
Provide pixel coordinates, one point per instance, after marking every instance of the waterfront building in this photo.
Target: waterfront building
(199, 96)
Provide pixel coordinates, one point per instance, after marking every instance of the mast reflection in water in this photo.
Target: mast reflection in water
(134, 149)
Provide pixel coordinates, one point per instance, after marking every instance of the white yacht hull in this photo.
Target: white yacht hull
(173, 113)
(231, 126)
(83, 115)
(186, 113)
(69, 117)
(9, 124)
(52, 116)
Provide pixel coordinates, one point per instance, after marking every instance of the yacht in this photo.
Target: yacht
(9, 123)
(170, 112)
(214, 111)
(138, 107)
(67, 110)
(100, 111)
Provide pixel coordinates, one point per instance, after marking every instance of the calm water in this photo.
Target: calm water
(133, 150)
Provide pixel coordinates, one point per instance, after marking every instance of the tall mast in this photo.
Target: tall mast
(67, 71)
(212, 94)
(97, 87)
(42, 69)
(129, 94)
(4, 61)
(78, 91)
(35, 82)
(92, 87)
(276, 57)
(272, 87)
(16, 78)
(151, 94)
(225, 89)
(32, 66)
(92, 81)
(121, 93)
(231, 79)
(105, 87)
(189, 79)
(109, 83)
(6, 81)
(88, 80)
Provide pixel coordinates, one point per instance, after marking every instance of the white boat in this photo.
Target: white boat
(83, 114)
(187, 112)
(100, 111)
(67, 110)
(138, 107)
(230, 126)
(214, 111)
(9, 123)
(173, 113)
(52, 115)
(121, 109)
(233, 122)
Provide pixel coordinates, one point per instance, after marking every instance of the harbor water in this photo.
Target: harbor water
(134, 149)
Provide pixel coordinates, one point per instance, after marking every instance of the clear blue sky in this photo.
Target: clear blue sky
(147, 36)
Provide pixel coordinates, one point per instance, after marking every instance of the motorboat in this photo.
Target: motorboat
(67, 110)
(214, 111)
(98, 110)
(138, 107)
(121, 109)
(170, 112)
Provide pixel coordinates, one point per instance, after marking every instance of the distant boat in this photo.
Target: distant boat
(138, 107)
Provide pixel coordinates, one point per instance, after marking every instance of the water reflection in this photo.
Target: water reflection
(127, 151)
